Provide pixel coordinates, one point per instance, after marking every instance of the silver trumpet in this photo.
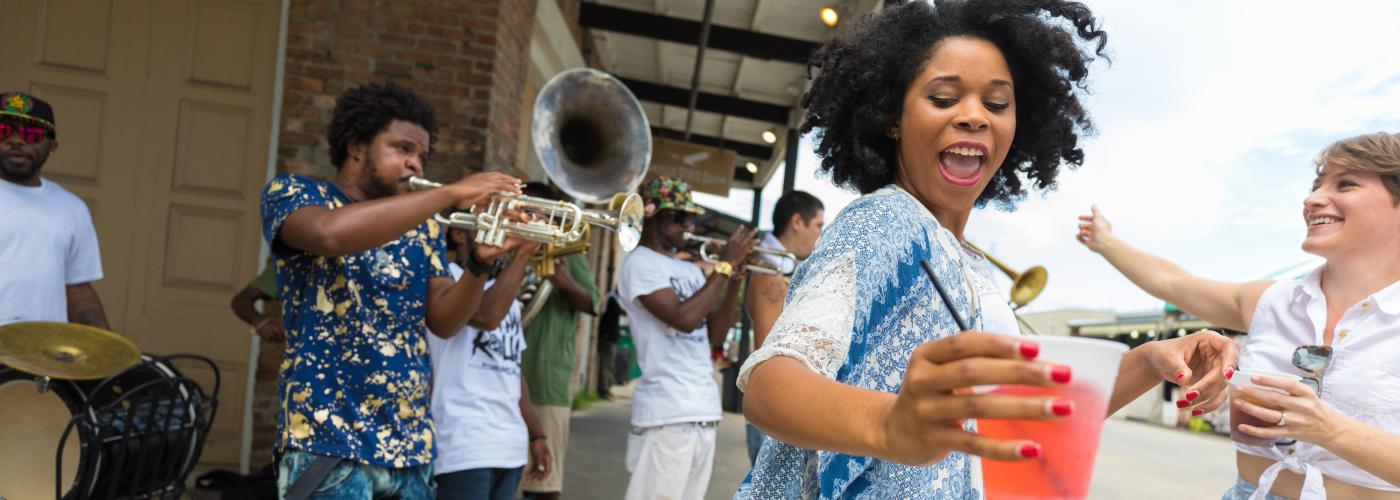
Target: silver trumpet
(707, 253)
(554, 222)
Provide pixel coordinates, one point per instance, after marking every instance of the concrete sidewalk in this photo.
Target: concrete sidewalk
(1135, 460)
(595, 468)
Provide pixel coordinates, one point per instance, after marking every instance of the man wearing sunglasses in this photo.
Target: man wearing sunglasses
(48, 247)
(672, 308)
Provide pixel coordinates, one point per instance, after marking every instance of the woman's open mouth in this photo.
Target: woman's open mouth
(961, 163)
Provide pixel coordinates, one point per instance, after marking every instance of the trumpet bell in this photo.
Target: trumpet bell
(591, 134)
(1028, 285)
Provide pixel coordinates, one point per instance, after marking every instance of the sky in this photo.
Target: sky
(1207, 121)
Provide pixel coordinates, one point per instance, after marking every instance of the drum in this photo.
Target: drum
(136, 433)
(31, 426)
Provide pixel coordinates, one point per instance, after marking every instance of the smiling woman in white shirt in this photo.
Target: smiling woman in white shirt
(1339, 327)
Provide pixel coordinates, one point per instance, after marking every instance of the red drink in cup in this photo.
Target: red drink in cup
(1067, 444)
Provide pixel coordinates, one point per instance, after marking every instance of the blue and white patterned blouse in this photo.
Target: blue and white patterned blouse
(855, 312)
(355, 376)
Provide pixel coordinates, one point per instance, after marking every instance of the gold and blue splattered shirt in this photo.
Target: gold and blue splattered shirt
(355, 376)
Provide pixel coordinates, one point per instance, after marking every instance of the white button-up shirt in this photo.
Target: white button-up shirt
(1362, 381)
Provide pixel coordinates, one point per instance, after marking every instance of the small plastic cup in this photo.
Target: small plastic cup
(1237, 416)
(1068, 445)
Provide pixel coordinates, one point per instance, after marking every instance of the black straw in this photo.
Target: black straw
(957, 318)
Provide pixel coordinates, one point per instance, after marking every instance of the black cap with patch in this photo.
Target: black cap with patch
(28, 108)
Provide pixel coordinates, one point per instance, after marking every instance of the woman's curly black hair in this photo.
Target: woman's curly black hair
(363, 112)
(858, 92)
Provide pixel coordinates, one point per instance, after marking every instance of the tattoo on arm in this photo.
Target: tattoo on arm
(776, 290)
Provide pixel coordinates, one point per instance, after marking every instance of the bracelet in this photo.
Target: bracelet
(536, 437)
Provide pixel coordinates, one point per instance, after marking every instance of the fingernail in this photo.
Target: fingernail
(1062, 407)
(1031, 450)
(1182, 403)
(1198, 412)
(1191, 396)
(1060, 373)
(1180, 375)
(1029, 350)
(1229, 372)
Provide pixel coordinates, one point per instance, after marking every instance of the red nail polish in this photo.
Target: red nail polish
(1191, 396)
(1060, 373)
(1229, 372)
(1062, 408)
(1030, 450)
(1180, 375)
(1198, 412)
(1029, 350)
(1181, 403)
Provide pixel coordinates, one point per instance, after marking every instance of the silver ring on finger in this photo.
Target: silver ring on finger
(1282, 419)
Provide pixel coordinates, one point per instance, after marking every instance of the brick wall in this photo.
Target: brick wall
(468, 57)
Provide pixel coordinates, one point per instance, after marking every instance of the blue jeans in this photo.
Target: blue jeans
(479, 484)
(1243, 489)
(351, 480)
(755, 441)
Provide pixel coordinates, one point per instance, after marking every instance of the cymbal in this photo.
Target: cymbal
(66, 351)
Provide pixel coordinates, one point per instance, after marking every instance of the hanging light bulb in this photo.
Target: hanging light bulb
(830, 17)
(751, 167)
(769, 136)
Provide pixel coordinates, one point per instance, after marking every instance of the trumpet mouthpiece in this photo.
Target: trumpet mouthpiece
(418, 183)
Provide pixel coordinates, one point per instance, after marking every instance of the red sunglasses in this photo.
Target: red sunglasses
(32, 135)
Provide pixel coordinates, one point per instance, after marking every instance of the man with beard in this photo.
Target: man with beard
(362, 276)
(48, 247)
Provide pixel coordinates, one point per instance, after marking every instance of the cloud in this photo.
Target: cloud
(1208, 120)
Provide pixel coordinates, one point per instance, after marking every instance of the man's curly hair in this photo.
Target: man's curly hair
(363, 112)
(863, 74)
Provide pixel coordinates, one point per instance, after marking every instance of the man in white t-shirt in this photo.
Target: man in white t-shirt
(48, 247)
(486, 425)
(671, 305)
(798, 218)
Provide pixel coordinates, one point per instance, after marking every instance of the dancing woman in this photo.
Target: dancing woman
(928, 111)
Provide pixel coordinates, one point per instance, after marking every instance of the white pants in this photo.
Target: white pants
(670, 462)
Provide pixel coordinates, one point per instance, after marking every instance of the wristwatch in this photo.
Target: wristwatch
(724, 268)
(479, 268)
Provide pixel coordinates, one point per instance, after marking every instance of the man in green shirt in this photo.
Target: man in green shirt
(549, 361)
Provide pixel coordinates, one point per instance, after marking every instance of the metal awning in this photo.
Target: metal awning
(752, 68)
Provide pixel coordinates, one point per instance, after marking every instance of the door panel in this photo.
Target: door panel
(205, 145)
(163, 110)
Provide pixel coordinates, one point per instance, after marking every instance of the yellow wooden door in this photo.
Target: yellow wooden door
(164, 111)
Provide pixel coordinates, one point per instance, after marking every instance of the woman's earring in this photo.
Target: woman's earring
(894, 133)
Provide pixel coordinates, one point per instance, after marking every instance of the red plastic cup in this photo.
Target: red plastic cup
(1068, 444)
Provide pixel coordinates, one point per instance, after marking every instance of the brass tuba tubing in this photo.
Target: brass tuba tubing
(709, 256)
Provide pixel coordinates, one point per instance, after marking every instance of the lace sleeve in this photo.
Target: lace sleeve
(815, 326)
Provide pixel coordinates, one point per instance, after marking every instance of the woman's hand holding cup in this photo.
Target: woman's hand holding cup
(925, 422)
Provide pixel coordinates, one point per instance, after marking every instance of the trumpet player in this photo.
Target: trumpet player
(798, 218)
(671, 305)
(362, 277)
